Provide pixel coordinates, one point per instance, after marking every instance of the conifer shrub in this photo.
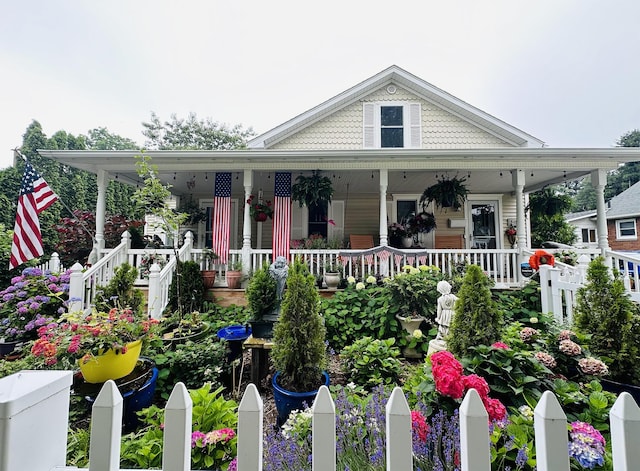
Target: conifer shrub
(605, 312)
(477, 319)
(298, 339)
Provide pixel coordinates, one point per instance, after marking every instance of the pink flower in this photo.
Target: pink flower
(565, 335)
(527, 334)
(546, 359)
(419, 425)
(478, 383)
(500, 345)
(570, 348)
(496, 410)
(197, 437)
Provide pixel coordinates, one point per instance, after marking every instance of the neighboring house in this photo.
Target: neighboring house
(623, 218)
(381, 142)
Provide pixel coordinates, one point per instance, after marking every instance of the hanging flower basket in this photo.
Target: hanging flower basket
(259, 210)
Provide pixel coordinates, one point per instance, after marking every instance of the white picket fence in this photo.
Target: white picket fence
(38, 400)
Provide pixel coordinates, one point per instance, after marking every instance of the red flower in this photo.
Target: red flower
(419, 425)
(478, 383)
(496, 410)
(540, 257)
(500, 345)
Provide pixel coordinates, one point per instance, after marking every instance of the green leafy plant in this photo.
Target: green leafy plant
(477, 319)
(189, 295)
(261, 293)
(605, 312)
(121, 292)
(446, 193)
(298, 344)
(314, 190)
(353, 313)
(370, 362)
(413, 292)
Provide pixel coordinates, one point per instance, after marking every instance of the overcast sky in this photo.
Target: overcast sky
(565, 71)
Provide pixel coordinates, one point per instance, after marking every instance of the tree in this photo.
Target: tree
(547, 207)
(192, 133)
(102, 139)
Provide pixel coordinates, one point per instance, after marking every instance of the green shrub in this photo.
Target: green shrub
(477, 320)
(370, 362)
(606, 313)
(120, 291)
(414, 292)
(353, 313)
(261, 293)
(298, 339)
(191, 288)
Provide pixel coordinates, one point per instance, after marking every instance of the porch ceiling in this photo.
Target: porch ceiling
(410, 171)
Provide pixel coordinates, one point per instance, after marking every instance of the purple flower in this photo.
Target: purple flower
(8, 297)
(34, 306)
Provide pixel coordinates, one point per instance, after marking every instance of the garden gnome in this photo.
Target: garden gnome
(279, 271)
(444, 316)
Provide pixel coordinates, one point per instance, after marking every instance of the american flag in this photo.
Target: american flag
(222, 216)
(35, 196)
(282, 215)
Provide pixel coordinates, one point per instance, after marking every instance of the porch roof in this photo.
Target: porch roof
(414, 167)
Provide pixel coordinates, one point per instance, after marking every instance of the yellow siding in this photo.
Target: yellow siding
(343, 129)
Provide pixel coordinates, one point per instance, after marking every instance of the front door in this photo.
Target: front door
(483, 224)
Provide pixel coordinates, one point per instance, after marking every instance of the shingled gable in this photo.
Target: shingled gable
(394, 75)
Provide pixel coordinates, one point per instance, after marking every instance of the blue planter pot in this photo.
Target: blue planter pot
(287, 401)
(135, 396)
(234, 335)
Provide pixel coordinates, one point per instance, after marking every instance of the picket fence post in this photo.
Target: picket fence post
(177, 430)
(398, 430)
(250, 418)
(76, 288)
(323, 432)
(474, 424)
(552, 442)
(154, 293)
(106, 429)
(624, 418)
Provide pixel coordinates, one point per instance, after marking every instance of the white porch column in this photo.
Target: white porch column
(101, 204)
(384, 183)
(246, 227)
(599, 180)
(518, 179)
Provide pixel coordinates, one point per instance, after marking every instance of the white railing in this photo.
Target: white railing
(628, 265)
(42, 397)
(53, 265)
(559, 288)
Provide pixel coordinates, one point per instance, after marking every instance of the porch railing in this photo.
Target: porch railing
(43, 397)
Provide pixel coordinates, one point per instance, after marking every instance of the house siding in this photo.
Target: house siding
(343, 128)
(621, 244)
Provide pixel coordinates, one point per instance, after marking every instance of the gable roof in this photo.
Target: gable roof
(425, 90)
(626, 204)
(572, 217)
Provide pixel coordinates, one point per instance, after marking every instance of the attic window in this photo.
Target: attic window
(391, 125)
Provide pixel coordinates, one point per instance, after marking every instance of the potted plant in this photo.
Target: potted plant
(612, 320)
(234, 274)
(33, 299)
(105, 345)
(179, 330)
(194, 213)
(260, 210)
(314, 190)
(332, 274)
(397, 231)
(261, 299)
(446, 193)
(298, 350)
(209, 272)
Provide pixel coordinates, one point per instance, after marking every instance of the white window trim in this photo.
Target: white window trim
(411, 123)
(626, 237)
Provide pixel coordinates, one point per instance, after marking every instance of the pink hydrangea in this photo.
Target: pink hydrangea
(569, 347)
(501, 346)
(527, 334)
(546, 359)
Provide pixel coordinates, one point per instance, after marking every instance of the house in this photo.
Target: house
(381, 143)
(622, 216)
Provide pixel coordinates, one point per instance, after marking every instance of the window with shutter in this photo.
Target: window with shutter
(392, 125)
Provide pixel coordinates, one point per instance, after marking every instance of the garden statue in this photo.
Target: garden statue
(444, 315)
(279, 271)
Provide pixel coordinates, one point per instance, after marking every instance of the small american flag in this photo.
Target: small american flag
(222, 216)
(282, 215)
(35, 196)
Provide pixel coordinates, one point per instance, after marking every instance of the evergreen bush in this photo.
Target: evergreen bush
(191, 291)
(606, 313)
(477, 319)
(120, 291)
(298, 342)
(261, 293)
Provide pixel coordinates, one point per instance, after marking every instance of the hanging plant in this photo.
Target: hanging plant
(313, 190)
(447, 193)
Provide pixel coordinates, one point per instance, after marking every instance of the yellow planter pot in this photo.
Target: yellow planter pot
(111, 365)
